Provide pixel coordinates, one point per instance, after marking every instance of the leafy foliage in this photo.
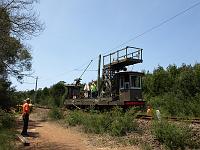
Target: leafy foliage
(175, 90)
(53, 96)
(20, 19)
(115, 122)
(18, 22)
(75, 118)
(6, 139)
(57, 91)
(7, 120)
(173, 136)
(55, 113)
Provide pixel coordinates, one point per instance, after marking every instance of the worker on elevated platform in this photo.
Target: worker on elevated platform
(93, 90)
(86, 91)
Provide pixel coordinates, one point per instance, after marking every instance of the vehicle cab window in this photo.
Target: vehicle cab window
(135, 82)
(122, 83)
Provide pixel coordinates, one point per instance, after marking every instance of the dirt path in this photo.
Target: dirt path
(52, 136)
(47, 135)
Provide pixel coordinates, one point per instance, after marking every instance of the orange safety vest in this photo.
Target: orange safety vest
(26, 108)
(149, 112)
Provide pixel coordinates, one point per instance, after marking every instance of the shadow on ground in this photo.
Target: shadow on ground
(31, 127)
(47, 146)
(32, 124)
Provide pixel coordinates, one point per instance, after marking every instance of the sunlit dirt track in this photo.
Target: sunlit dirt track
(48, 135)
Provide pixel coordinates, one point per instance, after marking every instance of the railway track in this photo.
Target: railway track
(146, 117)
(190, 120)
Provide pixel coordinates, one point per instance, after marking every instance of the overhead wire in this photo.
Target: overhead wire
(86, 70)
(67, 72)
(152, 28)
(28, 83)
(156, 26)
(80, 68)
(139, 35)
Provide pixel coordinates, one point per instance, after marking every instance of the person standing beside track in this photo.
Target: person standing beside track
(149, 111)
(25, 116)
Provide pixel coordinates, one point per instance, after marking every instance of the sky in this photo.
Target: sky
(77, 31)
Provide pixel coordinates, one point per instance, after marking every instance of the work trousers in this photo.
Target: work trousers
(25, 120)
(94, 94)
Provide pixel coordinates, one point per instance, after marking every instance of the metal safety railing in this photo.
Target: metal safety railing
(127, 52)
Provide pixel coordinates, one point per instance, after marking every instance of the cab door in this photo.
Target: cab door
(124, 88)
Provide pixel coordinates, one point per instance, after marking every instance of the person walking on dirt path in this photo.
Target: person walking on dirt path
(25, 116)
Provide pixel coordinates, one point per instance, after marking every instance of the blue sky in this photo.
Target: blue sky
(79, 30)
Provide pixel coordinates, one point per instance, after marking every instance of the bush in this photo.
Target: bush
(115, 122)
(55, 113)
(173, 104)
(172, 135)
(75, 118)
(6, 140)
(122, 122)
(7, 120)
(174, 89)
(96, 123)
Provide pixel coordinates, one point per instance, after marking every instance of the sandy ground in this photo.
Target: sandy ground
(48, 135)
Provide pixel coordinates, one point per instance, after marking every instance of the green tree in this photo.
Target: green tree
(57, 91)
(4, 95)
(46, 91)
(197, 77)
(174, 89)
(161, 81)
(185, 82)
(18, 22)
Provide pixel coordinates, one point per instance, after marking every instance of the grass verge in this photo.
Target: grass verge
(115, 122)
(174, 136)
(7, 135)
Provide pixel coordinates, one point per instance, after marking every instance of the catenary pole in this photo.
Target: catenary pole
(36, 82)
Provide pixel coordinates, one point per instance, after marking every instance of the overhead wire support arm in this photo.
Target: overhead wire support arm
(77, 81)
(86, 69)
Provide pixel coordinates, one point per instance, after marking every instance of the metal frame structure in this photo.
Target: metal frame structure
(116, 62)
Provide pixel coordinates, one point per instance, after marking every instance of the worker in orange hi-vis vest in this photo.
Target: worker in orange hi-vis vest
(25, 116)
(149, 111)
